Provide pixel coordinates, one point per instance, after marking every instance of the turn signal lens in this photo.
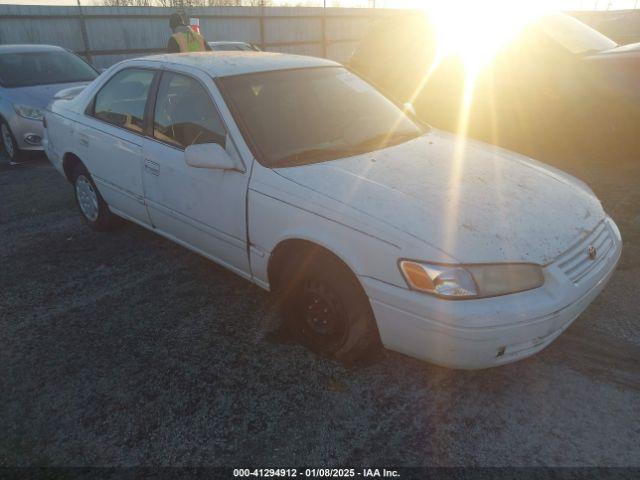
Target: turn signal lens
(472, 281)
(417, 277)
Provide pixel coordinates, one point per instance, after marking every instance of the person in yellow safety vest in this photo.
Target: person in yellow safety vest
(184, 39)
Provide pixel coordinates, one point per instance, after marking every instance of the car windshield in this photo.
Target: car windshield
(309, 115)
(232, 47)
(22, 69)
(574, 35)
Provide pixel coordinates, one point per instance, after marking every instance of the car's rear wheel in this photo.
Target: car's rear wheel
(327, 310)
(93, 208)
(10, 145)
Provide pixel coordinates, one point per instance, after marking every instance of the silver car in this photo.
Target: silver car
(30, 76)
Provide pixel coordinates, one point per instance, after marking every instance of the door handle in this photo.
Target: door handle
(151, 166)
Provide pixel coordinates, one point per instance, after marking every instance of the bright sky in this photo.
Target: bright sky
(560, 4)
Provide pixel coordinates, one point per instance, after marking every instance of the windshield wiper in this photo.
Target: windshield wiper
(312, 155)
(384, 140)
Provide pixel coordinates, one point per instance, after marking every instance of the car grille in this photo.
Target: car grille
(576, 263)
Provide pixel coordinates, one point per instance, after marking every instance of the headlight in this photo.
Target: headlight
(31, 113)
(471, 281)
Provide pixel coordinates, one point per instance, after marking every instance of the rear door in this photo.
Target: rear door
(204, 209)
(109, 140)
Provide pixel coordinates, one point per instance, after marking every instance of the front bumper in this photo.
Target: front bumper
(473, 334)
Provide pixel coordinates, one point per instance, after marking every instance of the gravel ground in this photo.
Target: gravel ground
(125, 349)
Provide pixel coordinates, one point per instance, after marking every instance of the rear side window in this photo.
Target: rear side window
(122, 100)
(184, 113)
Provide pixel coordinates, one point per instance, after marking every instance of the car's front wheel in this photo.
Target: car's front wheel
(327, 309)
(93, 208)
(10, 145)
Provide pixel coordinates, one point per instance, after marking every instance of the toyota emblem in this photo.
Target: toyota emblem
(592, 252)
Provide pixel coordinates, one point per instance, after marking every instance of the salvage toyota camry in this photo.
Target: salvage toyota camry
(368, 226)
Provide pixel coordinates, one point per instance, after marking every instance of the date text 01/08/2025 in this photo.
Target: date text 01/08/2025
(316, 472)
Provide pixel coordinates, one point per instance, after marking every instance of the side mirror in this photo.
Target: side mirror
(209, 155)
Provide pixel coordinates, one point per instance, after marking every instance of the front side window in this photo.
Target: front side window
(122, 100)
(184, 113)
(309, 115)
(23, 69)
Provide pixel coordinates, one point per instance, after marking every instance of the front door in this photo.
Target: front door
(204, 209)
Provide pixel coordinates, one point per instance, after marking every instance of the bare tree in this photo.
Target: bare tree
(187, 3)
(128, 3)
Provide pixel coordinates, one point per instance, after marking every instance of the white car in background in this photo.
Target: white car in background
(369, 226)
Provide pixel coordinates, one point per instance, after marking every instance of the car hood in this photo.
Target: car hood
(490, 205)
(39, 95)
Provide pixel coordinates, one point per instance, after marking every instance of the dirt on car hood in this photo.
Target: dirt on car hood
(478, 203)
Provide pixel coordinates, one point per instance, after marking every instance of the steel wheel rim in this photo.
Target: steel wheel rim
(7, 141)
(87, 198)
(324, 319)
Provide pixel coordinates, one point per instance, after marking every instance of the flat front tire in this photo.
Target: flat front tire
(325, 307)
(95, 212)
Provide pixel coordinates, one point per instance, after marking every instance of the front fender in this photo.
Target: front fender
(273, 221)
(279, 210)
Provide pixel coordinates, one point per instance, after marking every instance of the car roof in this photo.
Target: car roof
(28, 48)
(224, 64)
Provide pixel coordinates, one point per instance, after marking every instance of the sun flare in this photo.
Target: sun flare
(475, 30)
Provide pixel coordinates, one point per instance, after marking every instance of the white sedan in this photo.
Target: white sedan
(370, 227)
